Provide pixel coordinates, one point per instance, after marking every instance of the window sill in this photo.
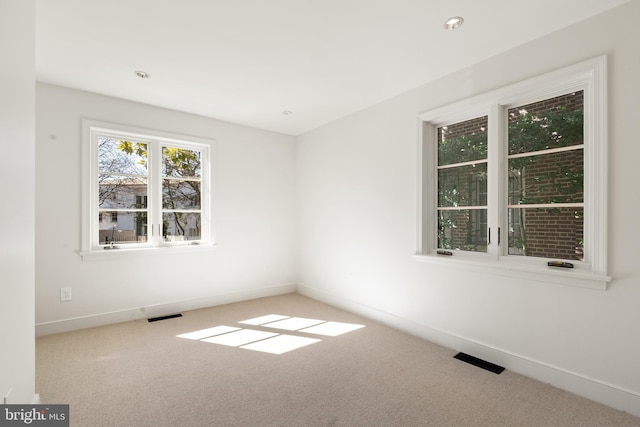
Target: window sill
(125, 253)
(570, 277)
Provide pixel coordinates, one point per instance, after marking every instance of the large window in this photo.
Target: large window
(515, 180)
(144, 190)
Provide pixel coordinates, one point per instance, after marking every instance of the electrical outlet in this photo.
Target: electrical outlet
(65, 294)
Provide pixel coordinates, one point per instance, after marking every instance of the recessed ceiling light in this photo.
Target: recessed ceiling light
(453, 23)
(287, 112)
(142, 74)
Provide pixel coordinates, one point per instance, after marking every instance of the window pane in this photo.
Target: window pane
(128, 227)
(462, 142)
(463, 186)
(181, 163)
(125, 157)
(122, 192)
(547, 232)
(179, 226)
(180, 194)
(463, 229)
(548, 178)
(552, 123)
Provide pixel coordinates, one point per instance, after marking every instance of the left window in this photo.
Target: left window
(144, 189)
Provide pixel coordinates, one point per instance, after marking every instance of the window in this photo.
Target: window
(462, 185)
(142, 189)
(546, 178)
(515, 180)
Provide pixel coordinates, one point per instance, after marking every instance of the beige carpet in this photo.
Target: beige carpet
(141, 374)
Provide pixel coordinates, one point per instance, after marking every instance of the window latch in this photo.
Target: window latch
(560, 264)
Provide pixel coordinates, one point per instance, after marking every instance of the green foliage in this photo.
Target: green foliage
(553, 128)
(462, 149)
(137, 148)
(179, 162)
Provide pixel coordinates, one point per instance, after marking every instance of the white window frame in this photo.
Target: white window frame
(91, 249)
(590, 76)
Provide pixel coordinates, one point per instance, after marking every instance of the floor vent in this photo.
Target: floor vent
(479, 363)
(171, 316)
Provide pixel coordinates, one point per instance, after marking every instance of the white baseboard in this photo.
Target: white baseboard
(598, 391)
(8, 400)
(66, 325)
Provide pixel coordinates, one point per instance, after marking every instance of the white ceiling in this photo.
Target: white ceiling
(246, 61)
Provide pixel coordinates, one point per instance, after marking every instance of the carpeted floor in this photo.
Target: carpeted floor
(142, 374)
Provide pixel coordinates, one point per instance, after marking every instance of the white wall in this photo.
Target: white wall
(17, 175)
(357, 197)
(253, 212)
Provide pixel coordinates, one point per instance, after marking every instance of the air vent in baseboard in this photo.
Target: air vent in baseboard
(171, 316)
(479, 363)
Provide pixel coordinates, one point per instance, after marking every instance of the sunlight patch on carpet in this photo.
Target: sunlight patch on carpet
(264, 319)
(209, 332)
(281, 344)
(293, 323)
(332, 329)
(271, 342)
(241, 337)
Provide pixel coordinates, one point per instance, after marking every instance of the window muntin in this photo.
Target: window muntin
(579, 197)
(142, 190)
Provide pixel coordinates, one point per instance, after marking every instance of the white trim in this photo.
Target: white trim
(155, 310)
(589, 76)
(128, 253)
(597, 160)
(576, 383)
(521, 269)
(422, 171)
